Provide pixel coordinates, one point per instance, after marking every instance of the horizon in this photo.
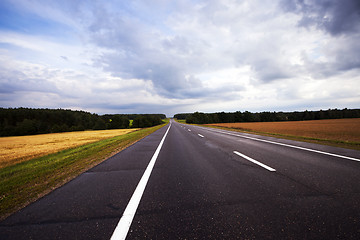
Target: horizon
(174, 57)
(173, 116)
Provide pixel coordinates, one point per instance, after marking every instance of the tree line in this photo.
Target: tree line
(222, 117)
(28, 121)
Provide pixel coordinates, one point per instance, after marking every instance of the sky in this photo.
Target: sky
(159, 56)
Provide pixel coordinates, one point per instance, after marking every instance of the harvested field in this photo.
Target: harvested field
(341, 130)
(18, 149)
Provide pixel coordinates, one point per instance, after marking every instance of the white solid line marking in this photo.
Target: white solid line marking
(200, 135)
(124, 224)
(288, 145)
(256, 162)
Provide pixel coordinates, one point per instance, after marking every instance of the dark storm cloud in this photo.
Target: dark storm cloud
(348, 56)
(334, 16)
(341, 19)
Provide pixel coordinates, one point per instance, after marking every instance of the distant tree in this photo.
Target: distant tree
(222, 117)
(182, 116)
(26, 127)
(248, 117)
(146, 120)
(99, 125)
(24, 121)
(116, 121)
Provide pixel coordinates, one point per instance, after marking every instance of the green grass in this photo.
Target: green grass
(180, 120)
(25, 182)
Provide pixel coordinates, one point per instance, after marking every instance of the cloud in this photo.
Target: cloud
(14, 80)
(35, 85)
(171, 61)
(12, 85)
(170, 56)
(333, 57)
(332, 16)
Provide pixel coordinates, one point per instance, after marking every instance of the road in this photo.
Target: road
(205, 184)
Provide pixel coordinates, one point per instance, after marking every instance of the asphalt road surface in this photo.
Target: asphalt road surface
(204, 184)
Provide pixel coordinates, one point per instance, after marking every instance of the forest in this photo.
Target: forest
(231, 117)
(29, 121)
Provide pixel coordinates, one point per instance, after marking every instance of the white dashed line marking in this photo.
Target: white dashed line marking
(254, 161)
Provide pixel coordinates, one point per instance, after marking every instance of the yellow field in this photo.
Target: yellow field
(347, 130)
(17, 149)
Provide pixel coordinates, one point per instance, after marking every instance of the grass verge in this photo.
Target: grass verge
(180, 120)
(26, 182)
